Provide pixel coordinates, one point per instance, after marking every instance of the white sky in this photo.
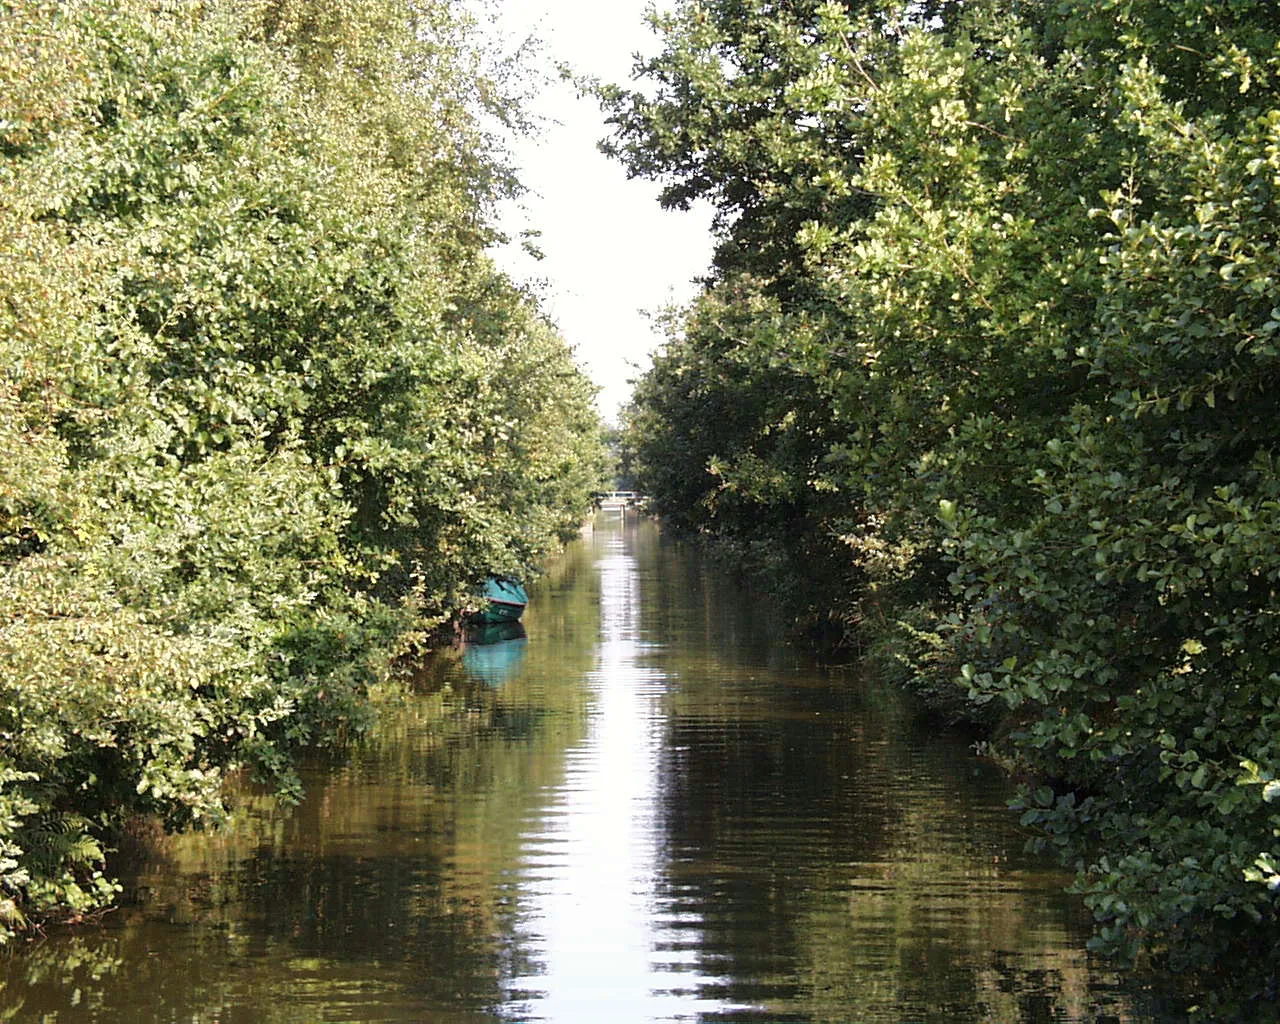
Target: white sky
(611, 252)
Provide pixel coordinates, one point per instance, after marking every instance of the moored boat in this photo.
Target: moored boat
(507, 600)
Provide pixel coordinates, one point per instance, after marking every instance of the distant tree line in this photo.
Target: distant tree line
(268, 413)
(986, 384)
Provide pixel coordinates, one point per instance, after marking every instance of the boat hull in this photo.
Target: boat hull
(507, 600)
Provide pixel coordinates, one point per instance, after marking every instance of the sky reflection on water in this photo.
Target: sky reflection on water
(588, 882)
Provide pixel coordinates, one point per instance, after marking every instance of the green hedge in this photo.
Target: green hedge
(1006, 374)
(268, 413)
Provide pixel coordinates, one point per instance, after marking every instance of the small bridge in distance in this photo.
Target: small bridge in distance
(618, 500)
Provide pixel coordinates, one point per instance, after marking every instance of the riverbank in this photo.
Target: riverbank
(1019, 417)
(268, 411)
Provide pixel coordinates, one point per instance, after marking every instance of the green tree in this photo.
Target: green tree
(1027, 326)
(267, 411)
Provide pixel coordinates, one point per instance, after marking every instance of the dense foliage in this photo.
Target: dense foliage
(267, 411)
(987, 378)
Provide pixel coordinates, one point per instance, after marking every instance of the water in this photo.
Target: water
(647, 809)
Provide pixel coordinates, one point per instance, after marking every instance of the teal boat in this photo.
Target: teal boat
(507, 600)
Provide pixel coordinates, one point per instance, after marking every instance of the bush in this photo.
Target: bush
(1027, 329)
(267, 412)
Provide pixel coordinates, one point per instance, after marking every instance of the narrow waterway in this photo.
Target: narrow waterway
(647, 809)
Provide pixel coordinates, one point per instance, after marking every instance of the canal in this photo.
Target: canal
(648, 809)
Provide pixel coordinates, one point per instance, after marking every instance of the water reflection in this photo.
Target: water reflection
(646, 810)
(493, 653)
(589, 878)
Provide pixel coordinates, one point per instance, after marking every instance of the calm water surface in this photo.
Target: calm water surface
(646, 810)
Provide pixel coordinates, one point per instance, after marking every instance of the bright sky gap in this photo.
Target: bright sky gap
(612, 255)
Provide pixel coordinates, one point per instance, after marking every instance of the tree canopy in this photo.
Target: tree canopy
(985, 381)
(268, 412)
